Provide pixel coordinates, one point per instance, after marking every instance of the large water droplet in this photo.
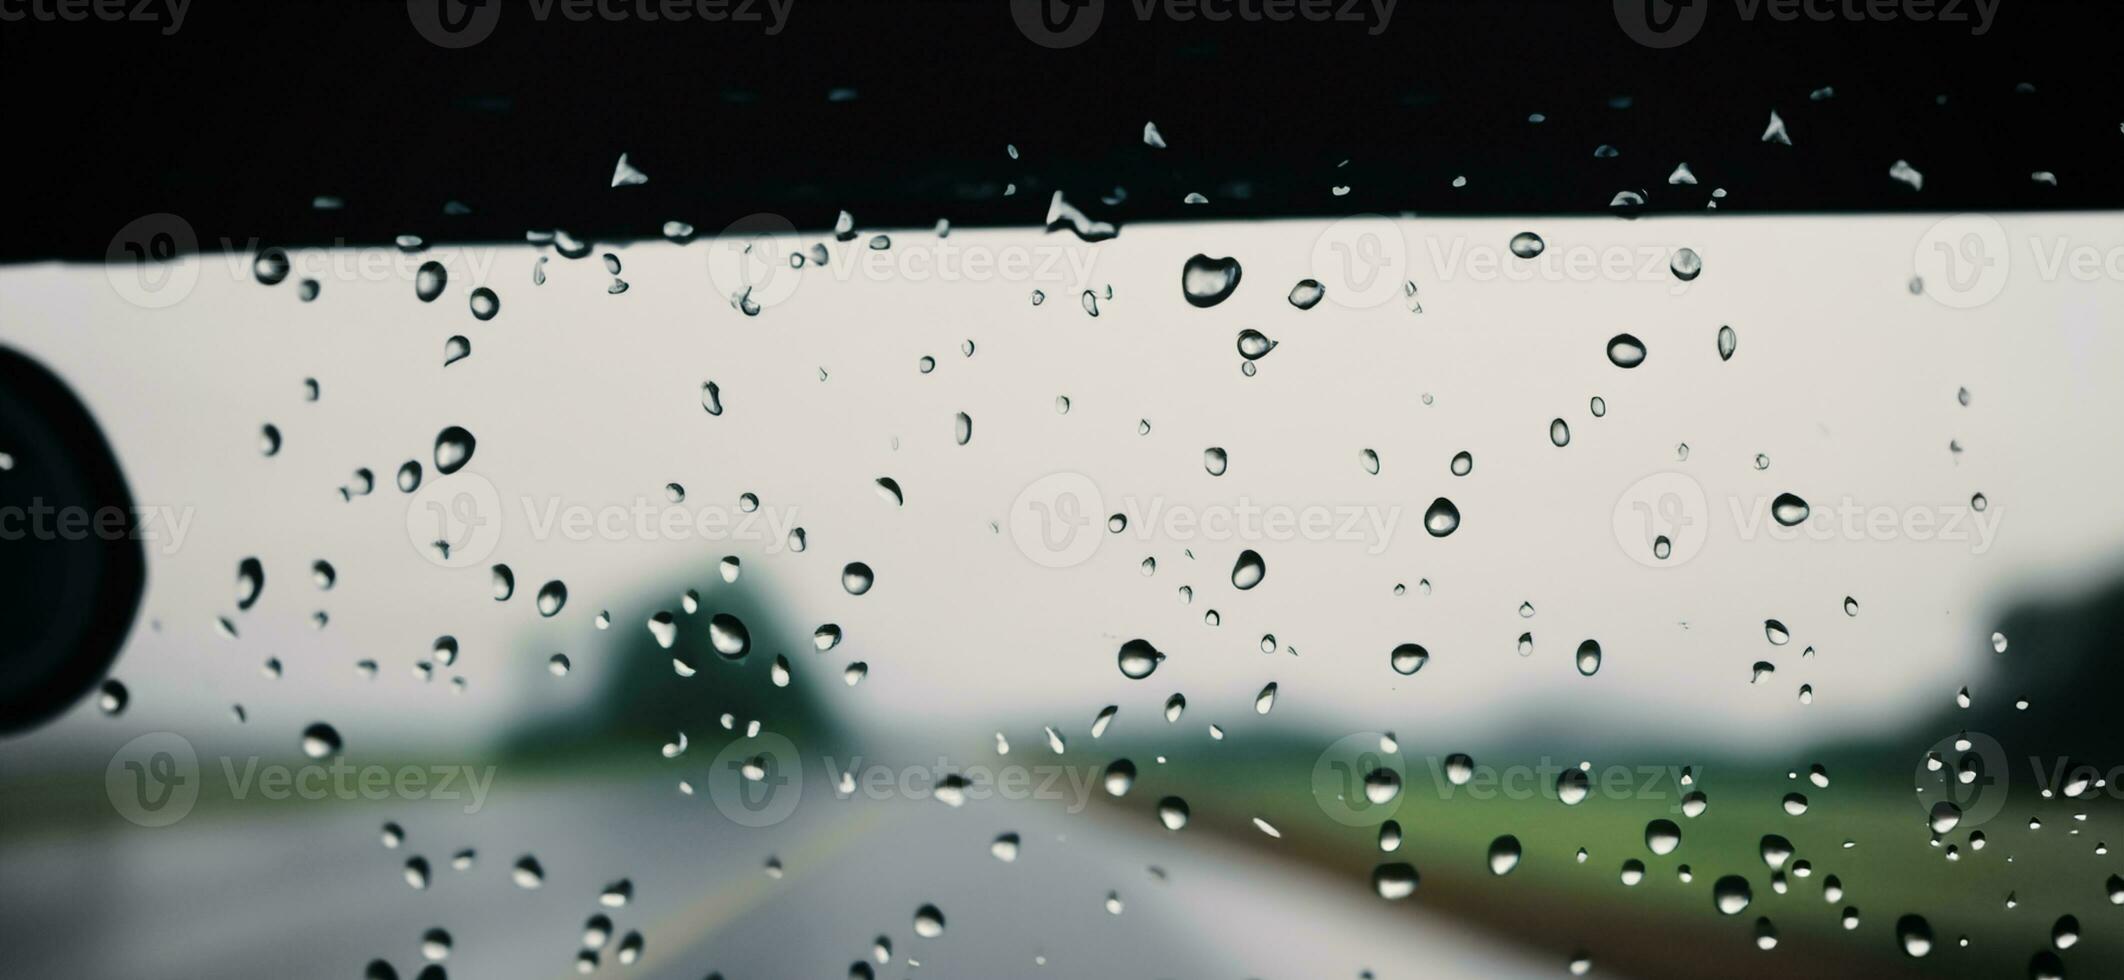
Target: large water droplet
(1686, 264)
(1560, 433)
(1626, 351)
(729, 636)
(453, 448)
(1207, 282)
(1120, 776)
(1788, 509)
(1409, 658)
(1215, 461)
(1915, 935)
(320, 740)
(1394, 880)
(1527, 245)
(1173, 812)
(1139, 659)
(929, 922)
(1504, 855)
(551, 597)
(1249, 570)
(1731, 895)
(1573, 785)
(857, 578)
(270, 267)
(429, 281)
(1662, 837)
(1589, 658)
(1307, 294)
(250, 581)
(1441, 518)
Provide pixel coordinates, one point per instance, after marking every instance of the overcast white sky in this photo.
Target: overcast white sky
(1842, 377)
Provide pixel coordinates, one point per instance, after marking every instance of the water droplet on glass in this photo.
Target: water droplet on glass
(551, 597)
(1408, 658)
(1727, 341)
(1788, 509)
(1207, 282)
(1527, 245)
(731, 640)
(1248, 571)
(1120, 776)
(1560, 433)
(1504, 855)
(1915, 935)
(1214, 460)
(1626, 351)
(1394, 880)
(270, 267)
(320, 740)
(1686, 264)
(1138, 659)
(1307, 294)
(1731, 895)
(1441, 518)
(428, 282)
(1254, 345)
(857, 578)
(453, 448)
(250, 581)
